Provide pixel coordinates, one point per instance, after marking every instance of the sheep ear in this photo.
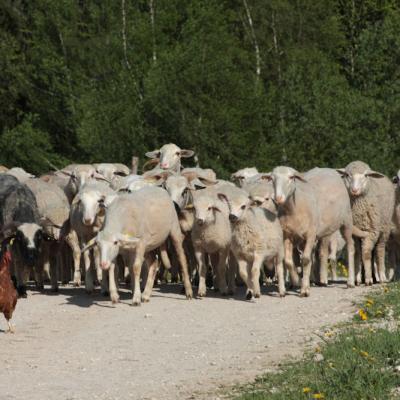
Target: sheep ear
(374, 174)
(100, 177)
(45, 221)
(395, 179)
(299, 177)
(342, 172)
(223, 198)
(207, 182)
(153, 154)
(186, 153)
(128, 242)
(266, 177)
(215, 208)
(120, 173)
(91, 243)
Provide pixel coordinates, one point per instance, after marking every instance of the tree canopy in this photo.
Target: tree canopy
(241, 82)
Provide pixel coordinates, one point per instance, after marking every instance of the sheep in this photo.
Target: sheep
(19, 219)
(372, 203)
(86, 219)
(111, 170)
(243, 175)
(71, 178)
(257, 236)
(136, 225)
(53, 207)
(169, 157)
(20, 174)
(211, 234)
(312, 207)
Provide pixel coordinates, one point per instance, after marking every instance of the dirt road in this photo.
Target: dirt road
(75, 346)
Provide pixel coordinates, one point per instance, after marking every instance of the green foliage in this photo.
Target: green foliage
(105, 81)
(357, 362)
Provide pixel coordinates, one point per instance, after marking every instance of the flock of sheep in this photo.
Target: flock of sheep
(111, 224)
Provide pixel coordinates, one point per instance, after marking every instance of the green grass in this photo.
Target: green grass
(359, 359)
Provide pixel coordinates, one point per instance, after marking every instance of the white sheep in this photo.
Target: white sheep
(372, 204)
(312, 207)
(211, 234)
(136, 225)
(257, 236)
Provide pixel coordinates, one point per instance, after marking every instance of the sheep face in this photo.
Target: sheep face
(110, 245)
(205, 209)
(284, 182)
(28, 238)
(262, 195)
(170, 156)
(177, 187)
(237, 208)
(357, 178)
(89, 206)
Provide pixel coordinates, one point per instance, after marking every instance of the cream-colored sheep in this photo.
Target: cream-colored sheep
(211, 234)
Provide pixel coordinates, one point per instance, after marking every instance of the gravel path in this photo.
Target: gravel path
(75, 346)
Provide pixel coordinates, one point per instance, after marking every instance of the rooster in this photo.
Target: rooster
(8, 294)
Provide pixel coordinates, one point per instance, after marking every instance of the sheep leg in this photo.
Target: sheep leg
(357, 262)
(281, 276)
(89, 284)
(96, 256)
(367, 246)
(112, 285)
(255, 277)
(136, 271)
(72, 240)
(323, 261)
(347, 234)
(177, 240)
(222, 260)
(244, 274)
(294, 276)
(232, 268)
(201, 262)
(306, 260)
(152, 264)
(54, 268)
(104, 283)
(380, 252)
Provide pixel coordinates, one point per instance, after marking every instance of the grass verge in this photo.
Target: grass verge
(360, 360)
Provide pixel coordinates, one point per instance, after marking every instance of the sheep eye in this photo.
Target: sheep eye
(209, 208)
(267, 198)
(115, 242)
(178, 153)
(243, 206)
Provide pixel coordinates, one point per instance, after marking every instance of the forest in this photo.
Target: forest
(242, 82)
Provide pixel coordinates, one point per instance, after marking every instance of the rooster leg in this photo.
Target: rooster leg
(11, 329)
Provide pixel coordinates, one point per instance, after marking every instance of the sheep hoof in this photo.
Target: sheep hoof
(350, 285)
(305, 292)
(282, 294)
(201, 293)
(257, 295)
(136, 303)
(145, 299)
(249, 295)
(368, 282)
(189, 295)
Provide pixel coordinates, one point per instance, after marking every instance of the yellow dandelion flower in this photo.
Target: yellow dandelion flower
(318, 349)
(385, 289)
(306, 390)
(318, 396)
(369, 303)
(363, 315)
(364, 354)
(329, 334)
